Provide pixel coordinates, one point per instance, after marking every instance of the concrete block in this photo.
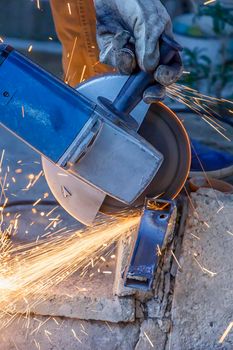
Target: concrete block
(151, 336)
(84, 307)
(202, 304)
(89, 298)
(153, 308)
(124, 248)
(140, 309)
(50, 333)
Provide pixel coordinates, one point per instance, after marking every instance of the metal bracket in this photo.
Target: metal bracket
(156, 221)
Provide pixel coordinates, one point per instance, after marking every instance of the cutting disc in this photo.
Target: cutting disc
(163, 129)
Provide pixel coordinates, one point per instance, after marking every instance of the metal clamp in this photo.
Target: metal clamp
(156, 221)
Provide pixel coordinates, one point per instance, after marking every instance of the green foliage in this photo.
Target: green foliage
(197, 64)
(201, 68)
(223, 72)
(222, 76)
(220, 15)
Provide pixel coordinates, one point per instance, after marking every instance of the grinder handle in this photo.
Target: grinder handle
(132, 92)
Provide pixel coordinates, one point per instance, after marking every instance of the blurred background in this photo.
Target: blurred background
(28, 26)
(204, 28)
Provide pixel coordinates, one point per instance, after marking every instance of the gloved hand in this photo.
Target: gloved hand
(128, 35)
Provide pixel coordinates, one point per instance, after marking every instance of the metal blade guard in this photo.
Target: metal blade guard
(156, 221)
(84, 138)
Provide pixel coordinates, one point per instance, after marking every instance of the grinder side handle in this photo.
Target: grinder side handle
(132, 92)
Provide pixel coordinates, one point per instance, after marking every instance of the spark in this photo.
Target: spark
(1, 160)
(209, 2)
(69, 8)
(52, 210)
(23, 113)
(29, 185)
(70, 60)
(225, 334)
(215, 128)
(95, 64)
(36, 202)
(15, 224)
(38, 4)
(190, 201)
(158, 251)
(15, 344)
(197, 102)
(47, 333)
(216, 123)
(30, 48)
(37, 344)
(198, 238)
(83, 73)
(108, 325)
(75, 335)
(37, 177)
(176, 260)
(83, 331)
(149, 341)
(206, 224)
(220, 209)
(56, 321)
(212, 274)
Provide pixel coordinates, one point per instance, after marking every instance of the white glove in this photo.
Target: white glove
(128, 33)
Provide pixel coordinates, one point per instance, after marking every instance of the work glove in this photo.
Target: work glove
(128, 34)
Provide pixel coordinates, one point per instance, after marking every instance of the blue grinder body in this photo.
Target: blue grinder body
(38, 106)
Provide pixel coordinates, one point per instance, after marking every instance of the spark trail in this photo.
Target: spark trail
(27, 271)
(207, 107)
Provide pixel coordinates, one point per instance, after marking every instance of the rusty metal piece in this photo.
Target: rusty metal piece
(158, 219)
